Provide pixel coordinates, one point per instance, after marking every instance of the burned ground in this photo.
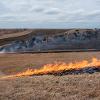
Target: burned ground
(44, 40)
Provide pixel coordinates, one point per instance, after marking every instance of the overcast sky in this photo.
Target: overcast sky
(49, 11)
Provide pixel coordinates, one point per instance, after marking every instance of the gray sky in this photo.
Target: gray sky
(49, 11)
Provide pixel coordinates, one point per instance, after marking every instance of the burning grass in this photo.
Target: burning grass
(60, 68)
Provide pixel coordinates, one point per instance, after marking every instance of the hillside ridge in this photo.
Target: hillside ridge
(50, 39)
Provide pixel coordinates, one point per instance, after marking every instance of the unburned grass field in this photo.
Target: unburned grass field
(47, 87)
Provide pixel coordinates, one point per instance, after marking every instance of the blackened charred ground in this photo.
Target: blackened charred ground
(88, 70)
(44, 40)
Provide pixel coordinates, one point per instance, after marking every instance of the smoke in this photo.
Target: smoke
(60, 41)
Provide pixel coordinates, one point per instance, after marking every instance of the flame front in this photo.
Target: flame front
(57, 67)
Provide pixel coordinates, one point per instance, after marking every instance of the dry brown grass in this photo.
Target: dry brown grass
(69, 87)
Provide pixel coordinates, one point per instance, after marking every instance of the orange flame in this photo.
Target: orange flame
(56, 67)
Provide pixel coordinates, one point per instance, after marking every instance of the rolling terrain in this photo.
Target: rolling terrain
(50, 40)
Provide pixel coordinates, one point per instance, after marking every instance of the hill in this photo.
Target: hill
(50, 40)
